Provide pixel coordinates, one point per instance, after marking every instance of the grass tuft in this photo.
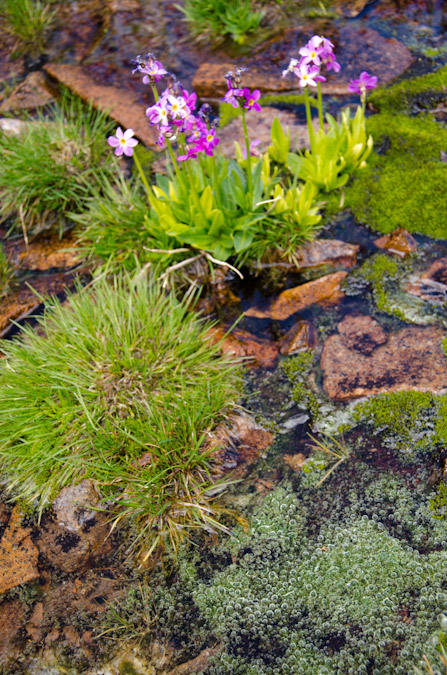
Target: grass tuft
(121, 386)
(54, 167)
(29, 22)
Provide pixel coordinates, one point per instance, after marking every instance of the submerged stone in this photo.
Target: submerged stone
(301, 336)
(400, 243)
(325, 289)
(29, 95)
(432, 284)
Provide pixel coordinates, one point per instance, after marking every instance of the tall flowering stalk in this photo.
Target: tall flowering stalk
(318, 52)
(243, 98)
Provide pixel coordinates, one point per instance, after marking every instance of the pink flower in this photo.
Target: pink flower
(176, 106)
(230, 97)
(306, 75)
(207, 142)
(332, 64)
(254, 152)
(123, 142)
(191, 153)
(251, 99)
(158, 113)
(365, 81)
(311, 53)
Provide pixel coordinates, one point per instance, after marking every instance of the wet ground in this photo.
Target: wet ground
(73, 602)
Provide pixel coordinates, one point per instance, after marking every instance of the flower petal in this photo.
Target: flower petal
(128, 134)
(119, 133)
(113, 141)
(128, 151)
(132, 142)
(119, 150)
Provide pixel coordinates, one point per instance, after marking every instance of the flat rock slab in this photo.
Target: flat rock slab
(325, 289)
(43, 254)
(411, 359)
(357, 49)
(30, 94)
(122, 106)
(432, 284)
(18, 555)
(400, 243)
(241, 344)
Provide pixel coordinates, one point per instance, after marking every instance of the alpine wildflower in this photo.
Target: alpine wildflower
(123, 142)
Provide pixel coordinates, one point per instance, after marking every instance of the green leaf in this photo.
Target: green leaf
(242, 240)
(206, 200)
(172, 226)
(294, 163)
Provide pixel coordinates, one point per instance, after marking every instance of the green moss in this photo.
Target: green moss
(298, 368)
(407, 421)
(439, 502)
(382, 272)
(420, 93)
(404, 186)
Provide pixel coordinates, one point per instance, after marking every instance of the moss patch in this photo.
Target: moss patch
(404, 185)
(416, 95)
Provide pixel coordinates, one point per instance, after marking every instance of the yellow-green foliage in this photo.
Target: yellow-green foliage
(404, 185)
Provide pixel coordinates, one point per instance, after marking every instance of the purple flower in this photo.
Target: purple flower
(306, 75)
(176, 107)
(208, 141)
(191, 153)
(311, 52)
(152, 69)
(190, 100)
(158, 113)
(291, 67)
(230, 97)
(365, 81)
(251, 99)
(123, 142)
(332, 64)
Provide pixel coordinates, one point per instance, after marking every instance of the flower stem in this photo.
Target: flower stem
(320, 106)
(310, 127)
(155, 92)
(247, 146)
(141, 172)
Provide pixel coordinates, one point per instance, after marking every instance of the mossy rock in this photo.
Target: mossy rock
(405, 182)
(416, 95)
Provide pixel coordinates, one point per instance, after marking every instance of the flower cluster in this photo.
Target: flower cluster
(239, 96)
(317, 53)
(151, 68)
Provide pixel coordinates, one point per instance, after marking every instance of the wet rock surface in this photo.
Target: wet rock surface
(410, 359)
(300, 337)
(44, 253)
(357, 49)
(326, 289)
(400, 242)
(362, 333)
(29, 95)
(432, 284)
(255, 351)
(109, 99)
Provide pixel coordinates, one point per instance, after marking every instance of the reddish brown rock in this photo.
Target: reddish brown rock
(12, 615)
(400, 242)
(350, 8)
(18, 554)
(357, 49)
(315, 254)
(43, 254)
(411, 359)
(78, 534)
(432, 284)
(325, 289)
(36, 627)
(198, 664)
(25, 302)
(362, 333)
(301, 336)
(242, 344)
(237, 447)
(123, 108)
(29, 95)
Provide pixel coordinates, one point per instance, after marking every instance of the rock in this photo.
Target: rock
(45, 253)
(295, 462)
(432, 284)
(123, 108)
(29, 95)
(362, 333)
(301, 336)
(36, 625)
(74, 505)
(293, 422)
(12, 615)
(400, 242)
(238, 447)
(18, 554)
(350, 8)
(411, 359)
(242, 344)
(198, 664)
(314, 255)
(78, 534)
(357, 49)
(12, 126)
(325, 289)
(25, 301)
